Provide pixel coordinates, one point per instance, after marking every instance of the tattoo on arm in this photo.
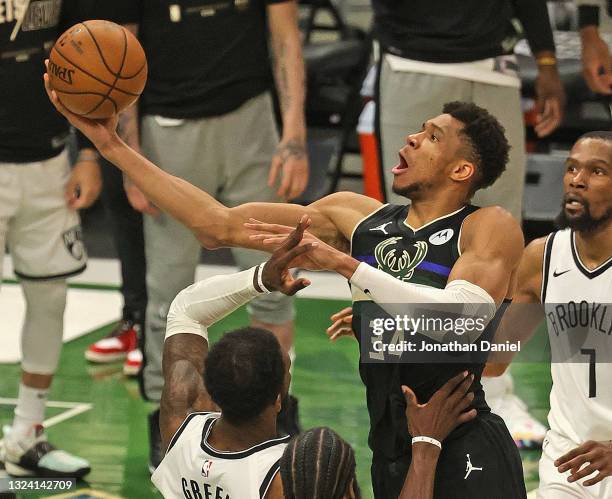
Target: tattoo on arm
(291, 149)
(280, 70)
(184, 391)
(289, 73)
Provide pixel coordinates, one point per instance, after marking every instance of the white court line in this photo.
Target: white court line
(103, 271)
(74, 409)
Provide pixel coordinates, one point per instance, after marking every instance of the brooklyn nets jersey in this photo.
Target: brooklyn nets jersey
(426, 257)
(192, 468)
(578, 309)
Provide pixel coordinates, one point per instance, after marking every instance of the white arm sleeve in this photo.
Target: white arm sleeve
(392, 294)
(200, 305)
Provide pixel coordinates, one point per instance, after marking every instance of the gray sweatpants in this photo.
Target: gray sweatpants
(229, 157)
(408, 99)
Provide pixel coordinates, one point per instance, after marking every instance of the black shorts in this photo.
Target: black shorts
(489, 446)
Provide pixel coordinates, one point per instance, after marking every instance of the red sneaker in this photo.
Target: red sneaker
(123, 339)
(133, 363)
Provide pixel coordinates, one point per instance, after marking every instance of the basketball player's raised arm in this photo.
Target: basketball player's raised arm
(198, 307)
(333, 217)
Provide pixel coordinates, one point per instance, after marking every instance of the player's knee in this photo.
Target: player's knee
(45, 298)
(274, 308)
(43, 328)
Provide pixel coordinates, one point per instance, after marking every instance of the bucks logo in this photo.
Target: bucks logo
(396, 261)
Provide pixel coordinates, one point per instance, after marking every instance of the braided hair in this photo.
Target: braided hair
(318, 464)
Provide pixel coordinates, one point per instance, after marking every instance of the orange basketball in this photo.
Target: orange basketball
(97, 68)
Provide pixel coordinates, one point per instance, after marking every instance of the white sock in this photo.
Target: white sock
(30, 411)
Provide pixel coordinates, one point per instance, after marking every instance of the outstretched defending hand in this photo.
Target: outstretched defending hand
(444, 411)
(101, 132)
(276, 275)
(342, 325)
(321, 257)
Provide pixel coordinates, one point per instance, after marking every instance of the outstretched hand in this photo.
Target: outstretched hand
(276, 275)
(321, 257)
(444, 411)
(101, 132)
(342, 325)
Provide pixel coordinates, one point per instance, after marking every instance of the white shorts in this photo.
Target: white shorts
(554, 485)
(43, 235)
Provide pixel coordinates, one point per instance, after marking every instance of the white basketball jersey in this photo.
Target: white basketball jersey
(578, 305)
(193, 469)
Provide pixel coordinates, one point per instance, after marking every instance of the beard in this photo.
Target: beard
(412, 191)
(584, 222)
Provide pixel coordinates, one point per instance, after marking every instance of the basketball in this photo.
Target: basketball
(97, 68)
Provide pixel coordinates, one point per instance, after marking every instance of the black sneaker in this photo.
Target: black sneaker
(155, 446)
(288, 420)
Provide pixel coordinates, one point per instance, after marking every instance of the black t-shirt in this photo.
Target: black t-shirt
(30, 127)
(380, 240)
(206, 57)
(445, 30)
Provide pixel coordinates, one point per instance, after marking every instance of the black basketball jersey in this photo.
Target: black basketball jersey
(424, 256)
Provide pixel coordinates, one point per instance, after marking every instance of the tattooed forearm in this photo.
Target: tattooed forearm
(282, 79)
(184, 391)
(288, 66)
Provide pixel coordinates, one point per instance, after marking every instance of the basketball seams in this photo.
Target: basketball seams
(117, 75)
(83, 84)
(93, 76)
(131, 77)
(87, 93)
(123, 58)
(101, 53)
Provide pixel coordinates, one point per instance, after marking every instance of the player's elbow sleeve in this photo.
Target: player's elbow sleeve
(178, 320)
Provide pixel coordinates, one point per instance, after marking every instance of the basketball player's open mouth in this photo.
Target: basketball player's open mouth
(400, 167)
(573, 202)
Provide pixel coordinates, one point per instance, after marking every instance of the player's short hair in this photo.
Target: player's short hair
(318, 464)
(485, 140)
(597, 134)
(244, 373)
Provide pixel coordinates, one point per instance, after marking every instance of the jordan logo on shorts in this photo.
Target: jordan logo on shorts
(469, 468)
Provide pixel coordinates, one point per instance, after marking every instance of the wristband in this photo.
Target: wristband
(546, 61)
(427, 440)
(260, 279)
